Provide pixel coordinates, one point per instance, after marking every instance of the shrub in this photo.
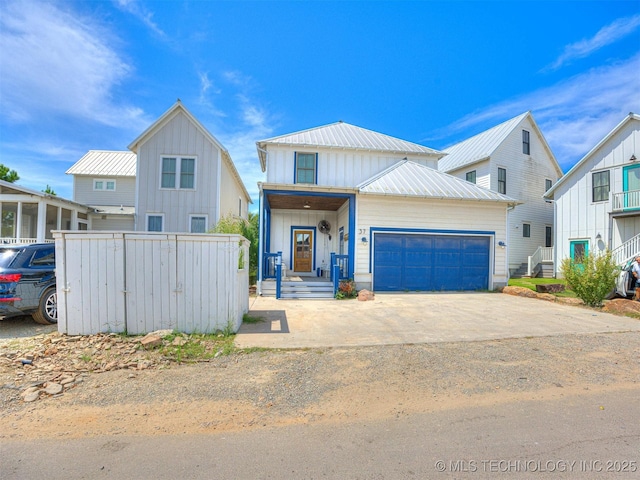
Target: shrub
(346, 289)
(593, 279)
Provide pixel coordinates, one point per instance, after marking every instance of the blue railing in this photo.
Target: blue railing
(342, 262)
(269, 265)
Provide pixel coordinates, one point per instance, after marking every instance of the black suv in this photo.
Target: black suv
(28, 282)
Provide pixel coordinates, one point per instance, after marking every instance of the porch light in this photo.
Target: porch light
(633, 158)
(598, 236)
(306, 205)
(364, 239)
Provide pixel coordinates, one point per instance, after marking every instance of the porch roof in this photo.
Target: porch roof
(408, 178)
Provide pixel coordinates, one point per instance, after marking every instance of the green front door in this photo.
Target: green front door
(631, 186)
(579, 249)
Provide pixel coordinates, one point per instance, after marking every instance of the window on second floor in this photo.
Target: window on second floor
(526, 147)
(178, 172)
(471, 176)
(526, 230)
(502, 180)
(601, 186)
(104, 184)
(305, 165)
(547, 184)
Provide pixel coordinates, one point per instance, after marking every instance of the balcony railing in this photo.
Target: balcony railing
(625, 201)
(23, 241)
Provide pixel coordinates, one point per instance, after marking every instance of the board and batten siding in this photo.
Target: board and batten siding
(124, 224)
(578, 217)
(124, 194)
(337, 168)
(142, 282)
(282, 222)
(425, 214)
(230, 194)
(179, 137)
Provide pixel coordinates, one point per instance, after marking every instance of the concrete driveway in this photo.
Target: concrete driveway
(417, 318)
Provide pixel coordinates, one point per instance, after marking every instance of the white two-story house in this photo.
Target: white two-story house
(598, 200)
(378, 207)
(177, 177)
(514, 159)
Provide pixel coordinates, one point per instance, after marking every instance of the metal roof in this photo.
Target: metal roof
(105, 163)
(478, 147)
(113, 210)
(346, 136)
(407, 178)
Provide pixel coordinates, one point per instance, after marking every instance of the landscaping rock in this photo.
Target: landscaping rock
(520, 292)
(622, 306)
(569, 300)
(364, 295)
(53, 388)
(151, 340)
(550, 288)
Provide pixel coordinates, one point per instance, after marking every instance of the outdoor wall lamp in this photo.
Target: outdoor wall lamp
(633, 158)
(306, 205)
(363, 239)
(598, 236)
(502, 244)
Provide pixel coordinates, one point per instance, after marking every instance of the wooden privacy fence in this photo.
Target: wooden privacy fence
(142, 282)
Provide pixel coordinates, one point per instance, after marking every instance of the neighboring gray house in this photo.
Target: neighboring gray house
(106, 181)
(514, 159)
(177, 178)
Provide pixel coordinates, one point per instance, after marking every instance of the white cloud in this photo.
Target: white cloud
(605, 36)
(60, 62)
(573, 115)
(138, 10)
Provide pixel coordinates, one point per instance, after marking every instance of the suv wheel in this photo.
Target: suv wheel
(47, 313)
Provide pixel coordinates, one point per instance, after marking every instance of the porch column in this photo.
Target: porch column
(42, 221)
(260, 235)
(74, 220)
(59, 218)
(18, 234)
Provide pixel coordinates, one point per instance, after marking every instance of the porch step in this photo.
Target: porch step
(297, 289)
(521, 271)
(546, 270)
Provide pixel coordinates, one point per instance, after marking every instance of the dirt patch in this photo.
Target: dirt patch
(271, 388)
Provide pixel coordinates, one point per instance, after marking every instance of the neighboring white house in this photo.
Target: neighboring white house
(514, 159)
(393, 221)
(177, 178)
(598, 200)
(106, 181)
(29, 216)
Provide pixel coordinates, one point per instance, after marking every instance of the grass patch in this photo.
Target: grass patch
(246, 318)
(531, 283)
(183, 348)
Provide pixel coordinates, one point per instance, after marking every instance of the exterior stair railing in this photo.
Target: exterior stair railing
(627, 250)
(542, 254)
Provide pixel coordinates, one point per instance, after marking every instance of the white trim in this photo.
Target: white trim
(146, 222)
(176, 184)
(199, 215)
(104, 182)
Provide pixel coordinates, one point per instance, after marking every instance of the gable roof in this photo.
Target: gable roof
(629, 118)
(346, 136)
(407, 178)
(105, 163)
(167, 116)
(483, 145)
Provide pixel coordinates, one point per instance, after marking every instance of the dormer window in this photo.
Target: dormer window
(305, 167)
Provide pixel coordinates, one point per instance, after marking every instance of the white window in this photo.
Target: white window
(155, 222)
(198, 223)
(178, 172)
(104, 184)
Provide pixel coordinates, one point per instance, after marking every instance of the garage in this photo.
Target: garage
(427, 262)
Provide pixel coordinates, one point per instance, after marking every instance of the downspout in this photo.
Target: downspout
(260, 237)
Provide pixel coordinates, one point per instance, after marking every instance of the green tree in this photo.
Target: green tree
(49, 190)
(593, 279)
(8, 175)
(231, 224)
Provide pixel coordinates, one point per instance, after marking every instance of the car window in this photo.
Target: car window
(44, 257)
(7, 255)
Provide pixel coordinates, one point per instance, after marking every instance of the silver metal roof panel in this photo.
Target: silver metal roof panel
(105, 163)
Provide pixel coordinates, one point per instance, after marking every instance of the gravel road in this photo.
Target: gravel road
(281, 387)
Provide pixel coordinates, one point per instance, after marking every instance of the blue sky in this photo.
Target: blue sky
(76, 76)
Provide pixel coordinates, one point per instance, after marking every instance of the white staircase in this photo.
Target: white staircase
(627, 251)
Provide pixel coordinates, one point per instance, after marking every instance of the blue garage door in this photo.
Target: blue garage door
(418, 262)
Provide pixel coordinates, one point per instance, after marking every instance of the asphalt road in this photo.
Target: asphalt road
(589, 436)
